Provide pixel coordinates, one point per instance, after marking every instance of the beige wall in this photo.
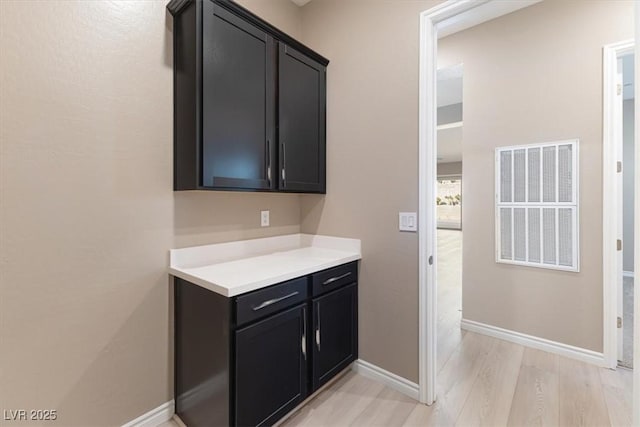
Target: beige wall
(372, 166)
(533, 76)
(87, 211)
(283, 14)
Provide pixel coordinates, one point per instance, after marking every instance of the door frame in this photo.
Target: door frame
(636, 223)
(444, 19)
(611, 192)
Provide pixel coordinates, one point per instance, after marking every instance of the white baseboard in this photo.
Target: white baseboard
(387, 378)
(154, 417)
(627, 274)
(582, 354)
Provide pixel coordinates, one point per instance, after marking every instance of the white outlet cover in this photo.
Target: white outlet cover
(264, 218)
(408, 221)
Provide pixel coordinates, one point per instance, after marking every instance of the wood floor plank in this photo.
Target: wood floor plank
(449, 294)
(457, 377)
(447, 344)
(581, 398)
(341, 404)
(434, 415)
(535, 402)
(389, 408)
(489, 402)
(616, 386)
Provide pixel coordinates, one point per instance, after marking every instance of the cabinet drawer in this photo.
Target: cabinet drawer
(334, 278)
(260, 303)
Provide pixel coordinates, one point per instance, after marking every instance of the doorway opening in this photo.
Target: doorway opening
(626, 281)
(449, 210)
(619, 203)
(442, 20)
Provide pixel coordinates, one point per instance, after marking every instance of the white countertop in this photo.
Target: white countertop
(234, 268)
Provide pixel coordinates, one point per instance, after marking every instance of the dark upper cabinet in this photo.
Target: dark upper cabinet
(301, 94)
(238, 102)
(271, 368)
(335, 333)
(249, 103)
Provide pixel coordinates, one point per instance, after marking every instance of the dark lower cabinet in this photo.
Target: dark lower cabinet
(203, 354)
(249, 360)
(335, 325)
(271, 368)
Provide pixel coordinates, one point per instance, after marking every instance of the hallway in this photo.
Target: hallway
(449, 293)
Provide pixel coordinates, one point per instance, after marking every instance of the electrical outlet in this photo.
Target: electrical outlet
(264, 218)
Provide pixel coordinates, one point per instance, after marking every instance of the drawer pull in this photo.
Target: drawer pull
(318, 326)
(275, 300)
(334, 279)
(304, 332)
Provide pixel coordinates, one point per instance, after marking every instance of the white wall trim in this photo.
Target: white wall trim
(582, 354)
(154, 417)
(387, 378)
(610, 222)
(479, 12)
(452, 125)
(443, 19)
(427, 219)
(636, 222)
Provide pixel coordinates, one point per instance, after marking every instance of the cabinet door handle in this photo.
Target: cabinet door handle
(268, 161)
(273, 301)
(334, 279)
(304, 332)
(284, 166)
(318, 326)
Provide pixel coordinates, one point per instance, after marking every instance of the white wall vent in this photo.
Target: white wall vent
(537, 205)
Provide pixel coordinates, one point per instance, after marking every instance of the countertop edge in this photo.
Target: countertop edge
(267, 281)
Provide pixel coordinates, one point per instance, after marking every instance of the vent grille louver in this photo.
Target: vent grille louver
(537, 205)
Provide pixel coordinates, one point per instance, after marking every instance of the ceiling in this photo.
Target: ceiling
(301, 2)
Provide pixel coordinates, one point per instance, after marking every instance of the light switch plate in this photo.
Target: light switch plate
(408, 221)
(264, 218)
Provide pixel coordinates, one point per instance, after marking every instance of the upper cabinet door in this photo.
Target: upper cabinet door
(238, 102)
(301, 133)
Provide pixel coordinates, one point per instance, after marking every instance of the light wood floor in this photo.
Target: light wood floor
(482, 381)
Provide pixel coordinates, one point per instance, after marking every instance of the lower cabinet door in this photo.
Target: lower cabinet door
(271, 367)
(335, 333)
